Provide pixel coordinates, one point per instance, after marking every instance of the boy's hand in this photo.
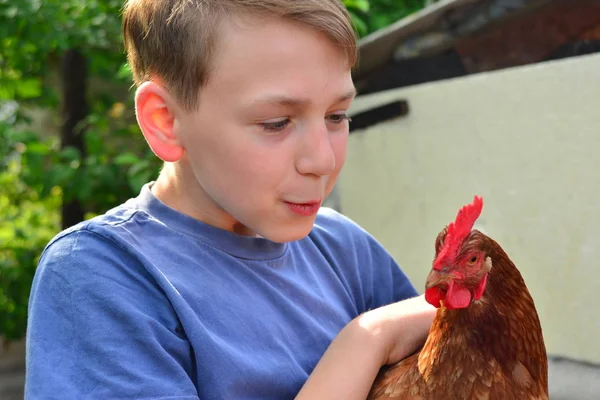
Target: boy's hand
(378, 337)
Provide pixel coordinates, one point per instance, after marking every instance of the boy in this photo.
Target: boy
(224, 279)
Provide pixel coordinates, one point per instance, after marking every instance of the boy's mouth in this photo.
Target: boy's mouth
(304, 209)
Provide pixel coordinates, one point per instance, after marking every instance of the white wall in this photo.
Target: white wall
(528, 140)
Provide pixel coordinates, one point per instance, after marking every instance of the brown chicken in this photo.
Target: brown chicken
(486, 340)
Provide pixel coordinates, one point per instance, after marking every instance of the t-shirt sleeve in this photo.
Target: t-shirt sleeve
(101, 328)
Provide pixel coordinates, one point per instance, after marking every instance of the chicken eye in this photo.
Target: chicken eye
(473, 260)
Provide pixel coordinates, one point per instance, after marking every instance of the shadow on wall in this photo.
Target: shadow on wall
(572, 380)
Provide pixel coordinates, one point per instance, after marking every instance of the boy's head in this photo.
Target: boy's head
(176, 40)
(245, 100)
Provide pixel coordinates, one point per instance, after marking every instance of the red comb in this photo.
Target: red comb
(458, 231)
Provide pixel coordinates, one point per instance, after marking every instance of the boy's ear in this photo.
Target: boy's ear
(155, 115)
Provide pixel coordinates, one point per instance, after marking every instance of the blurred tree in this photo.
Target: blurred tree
(63, 59)
(370, 16)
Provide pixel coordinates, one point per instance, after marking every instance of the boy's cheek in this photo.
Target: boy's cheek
(340, 160)
(340, 148)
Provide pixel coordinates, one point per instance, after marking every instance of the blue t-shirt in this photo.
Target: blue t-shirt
(144, 302)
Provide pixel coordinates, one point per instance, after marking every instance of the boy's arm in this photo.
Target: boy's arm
(378, 337)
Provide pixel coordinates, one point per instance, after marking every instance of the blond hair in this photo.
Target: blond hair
(175, 40)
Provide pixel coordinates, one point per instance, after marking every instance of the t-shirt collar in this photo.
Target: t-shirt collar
(240, 246)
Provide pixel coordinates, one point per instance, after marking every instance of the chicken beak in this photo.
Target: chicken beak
(436, 278)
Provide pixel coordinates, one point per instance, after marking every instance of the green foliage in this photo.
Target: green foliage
(27, 222)
(36, 175)
(370, 16)
(33, 33)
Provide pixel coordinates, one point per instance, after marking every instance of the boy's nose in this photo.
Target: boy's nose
(316, 155)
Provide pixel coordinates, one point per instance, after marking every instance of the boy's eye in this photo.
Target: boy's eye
(338, 118)
(275, 126)
(280, 125)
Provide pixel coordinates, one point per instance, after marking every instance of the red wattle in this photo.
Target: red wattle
(433, 296)
(457, 296)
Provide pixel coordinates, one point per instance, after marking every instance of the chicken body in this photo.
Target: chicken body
(493, 349)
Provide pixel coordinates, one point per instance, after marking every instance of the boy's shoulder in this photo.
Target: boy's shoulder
(100, 224)
(335, 228)
(331, 215)
(359, 254)
(334, 222)
(118, 231)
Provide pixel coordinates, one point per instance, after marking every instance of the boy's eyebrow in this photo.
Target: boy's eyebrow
(293, 101)
(348, 95)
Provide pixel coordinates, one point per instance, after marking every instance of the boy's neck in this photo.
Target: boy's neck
(175, 189)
